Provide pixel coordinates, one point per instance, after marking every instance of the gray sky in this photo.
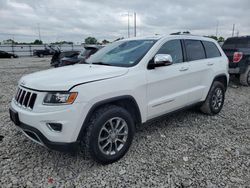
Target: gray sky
(74, 20)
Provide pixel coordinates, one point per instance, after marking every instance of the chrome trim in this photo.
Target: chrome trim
(168, 101)
(24, 99)
(40, 143)
(19, 99)
(28, 103)
(20, 92)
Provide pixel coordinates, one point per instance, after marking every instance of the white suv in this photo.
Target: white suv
(127, 82)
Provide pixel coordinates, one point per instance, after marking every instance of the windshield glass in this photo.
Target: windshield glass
(83, 53)
(122, 53)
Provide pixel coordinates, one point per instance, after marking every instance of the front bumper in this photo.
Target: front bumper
(36, 136)
(71, 118)
(234, 70)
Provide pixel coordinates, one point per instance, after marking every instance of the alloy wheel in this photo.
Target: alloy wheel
(217, 99)
(113, 136)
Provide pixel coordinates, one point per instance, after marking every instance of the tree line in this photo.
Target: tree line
(93, 40)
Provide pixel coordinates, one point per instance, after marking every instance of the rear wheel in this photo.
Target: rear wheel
(109, 134)
(215, 99)
(245, 77)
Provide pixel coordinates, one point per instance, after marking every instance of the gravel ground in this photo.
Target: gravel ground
(187, 149)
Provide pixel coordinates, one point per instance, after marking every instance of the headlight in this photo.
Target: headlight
(60, 98)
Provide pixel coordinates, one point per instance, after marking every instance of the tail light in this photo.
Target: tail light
(237, 57)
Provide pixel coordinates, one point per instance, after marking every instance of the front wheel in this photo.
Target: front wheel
(109, 134)
(215, 99)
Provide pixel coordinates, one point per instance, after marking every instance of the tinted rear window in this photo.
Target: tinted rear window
(195, 50)
(233, 43)
(211, 49)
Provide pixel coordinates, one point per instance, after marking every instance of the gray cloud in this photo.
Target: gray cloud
(75, 20)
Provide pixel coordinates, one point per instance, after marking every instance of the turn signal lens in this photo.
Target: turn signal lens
(71, 97)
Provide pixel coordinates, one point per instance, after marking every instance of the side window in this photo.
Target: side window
(211, 49)
(173, 48)
(195, 50)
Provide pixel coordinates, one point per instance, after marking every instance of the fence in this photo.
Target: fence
(27, 50)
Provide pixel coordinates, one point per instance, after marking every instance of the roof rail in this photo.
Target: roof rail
(181, 33)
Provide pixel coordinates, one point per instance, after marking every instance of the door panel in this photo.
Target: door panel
(199, 69)
(167, 89)
(167, 86)
(197, 79)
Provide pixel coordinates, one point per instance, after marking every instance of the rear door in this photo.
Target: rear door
(199, 70)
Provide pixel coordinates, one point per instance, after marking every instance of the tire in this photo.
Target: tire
(215, 99)
(100, 123)
(245, 77)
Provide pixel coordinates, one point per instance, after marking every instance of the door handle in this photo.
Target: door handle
(183, 69)
(210, 64)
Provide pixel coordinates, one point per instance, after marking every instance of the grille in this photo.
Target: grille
(25, 98)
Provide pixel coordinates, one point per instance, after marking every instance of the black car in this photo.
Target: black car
(45, 51)
(58, 55)
(237, 50)
(85, 54)
(4, 54)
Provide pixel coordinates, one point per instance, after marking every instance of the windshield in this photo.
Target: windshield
(122, 53)
(83, 53)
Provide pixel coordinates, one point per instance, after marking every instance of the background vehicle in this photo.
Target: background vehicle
(4, 54)
(58, 55)
(237, 50)
(46, 51)
(85, 54)
(129, 82)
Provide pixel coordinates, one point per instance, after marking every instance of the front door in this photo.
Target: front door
(167, 86)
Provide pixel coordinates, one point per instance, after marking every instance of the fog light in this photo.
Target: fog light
(55, 126)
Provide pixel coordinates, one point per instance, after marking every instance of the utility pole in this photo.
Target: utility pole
(128, 26)
(128, 15)
(238, 32)
(233, 30)
(134, 24)
(217, 26)
(39, 34)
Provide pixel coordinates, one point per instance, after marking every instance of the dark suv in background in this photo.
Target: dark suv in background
(237, 50)
(80, 58)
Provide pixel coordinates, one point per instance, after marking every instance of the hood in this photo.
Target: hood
(63, 78)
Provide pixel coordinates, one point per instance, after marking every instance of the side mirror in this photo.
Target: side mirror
(163, 59)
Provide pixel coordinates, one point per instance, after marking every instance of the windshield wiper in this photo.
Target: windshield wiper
(101, 63)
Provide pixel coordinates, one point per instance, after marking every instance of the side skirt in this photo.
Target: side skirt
(173, 112)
